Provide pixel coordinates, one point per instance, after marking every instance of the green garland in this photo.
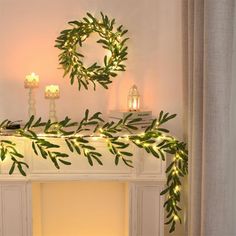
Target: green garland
(70, 40)
(154, 140)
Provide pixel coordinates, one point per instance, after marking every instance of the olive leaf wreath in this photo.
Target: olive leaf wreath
(71, 59)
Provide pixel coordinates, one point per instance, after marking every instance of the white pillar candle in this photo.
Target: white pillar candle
(32, 81)
(52, 92)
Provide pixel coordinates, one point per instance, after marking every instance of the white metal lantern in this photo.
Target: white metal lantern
(133, 99)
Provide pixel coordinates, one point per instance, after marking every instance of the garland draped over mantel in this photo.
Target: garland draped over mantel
(155, 140)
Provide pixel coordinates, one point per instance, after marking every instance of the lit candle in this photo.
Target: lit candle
(52, 92)
(32, 81)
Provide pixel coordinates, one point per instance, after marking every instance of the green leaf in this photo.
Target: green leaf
(90, 160)
(29, 123)
(12, 168)
(69, 145)
(163, 130)
(127, 153)
(64, 162)
(19, 166)
(34, 148)
(117, 158)
(127, 162)
(135, 120)
(164, 191)
(98, 160)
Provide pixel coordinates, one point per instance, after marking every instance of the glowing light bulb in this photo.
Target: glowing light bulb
(137, 141)
(75, 143)
(176, 217)
(83, 37)
(95, 138)
(176, 189)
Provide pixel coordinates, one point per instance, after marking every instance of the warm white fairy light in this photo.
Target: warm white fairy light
(176, 217)
(95, 138)
(137, 141)
(176, 189)
(177, 157)
(175, 171)
(76, 143)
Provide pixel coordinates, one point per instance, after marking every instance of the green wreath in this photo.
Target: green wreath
(112, 39)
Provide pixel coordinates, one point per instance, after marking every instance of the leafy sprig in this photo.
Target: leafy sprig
(41, 146)
(8, 149)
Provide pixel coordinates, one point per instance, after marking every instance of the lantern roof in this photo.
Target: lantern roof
(134, 91)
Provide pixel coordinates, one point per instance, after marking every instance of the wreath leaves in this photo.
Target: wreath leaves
(70, 40)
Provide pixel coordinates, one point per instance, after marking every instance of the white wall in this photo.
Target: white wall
(29, 28)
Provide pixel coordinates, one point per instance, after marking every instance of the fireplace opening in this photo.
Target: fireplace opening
(80, 208)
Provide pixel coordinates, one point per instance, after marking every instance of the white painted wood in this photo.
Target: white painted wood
(146, 209)
(14, 209)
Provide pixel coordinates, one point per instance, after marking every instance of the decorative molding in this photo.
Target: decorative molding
(139, 202)
(14, 221)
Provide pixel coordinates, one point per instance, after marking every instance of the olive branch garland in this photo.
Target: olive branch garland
(71, 40)
(154, 140)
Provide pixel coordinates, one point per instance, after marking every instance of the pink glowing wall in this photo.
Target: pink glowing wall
(29, 28)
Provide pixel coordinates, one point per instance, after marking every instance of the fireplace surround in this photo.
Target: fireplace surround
(143, 185)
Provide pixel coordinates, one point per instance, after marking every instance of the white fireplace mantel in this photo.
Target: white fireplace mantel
(145, 182)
